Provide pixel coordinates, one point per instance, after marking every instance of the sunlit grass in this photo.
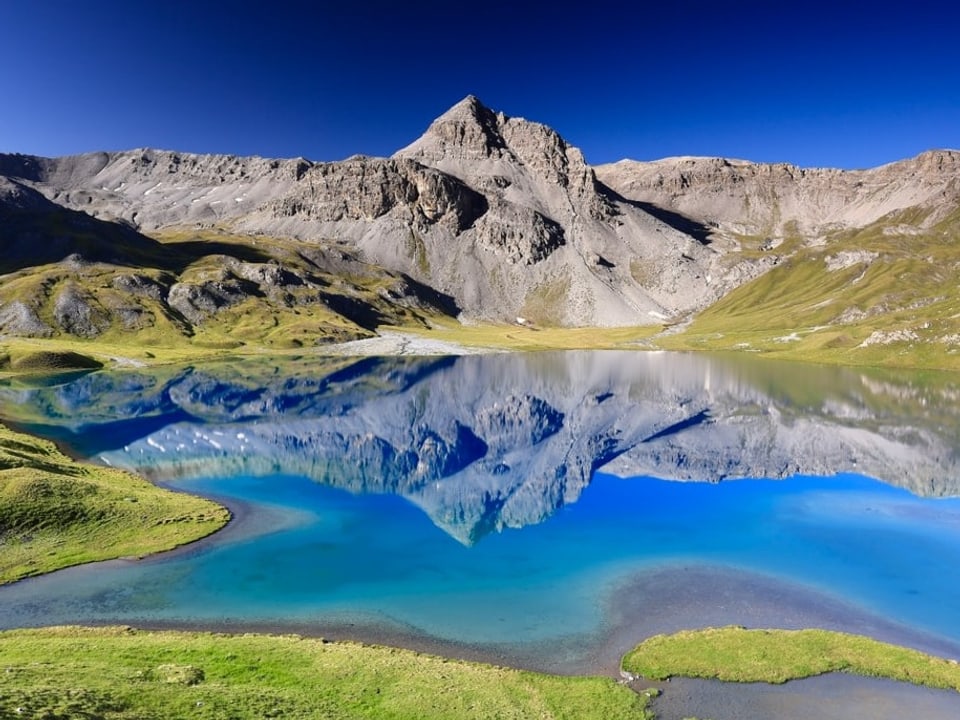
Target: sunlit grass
(55, 512)
(899, 307)
(529, 337)
(121, 673)
(734, 654)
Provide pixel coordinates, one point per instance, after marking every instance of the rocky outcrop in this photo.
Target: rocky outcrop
(19, 319)
(78, 313)
(367, 189)
(779, 199)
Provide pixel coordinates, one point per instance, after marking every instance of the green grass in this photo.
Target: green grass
(55, 512)
(734, 654)
(899, 309)
(252, 332)
(325, 295)
(545, 304)
(121, 673)
(49, 361)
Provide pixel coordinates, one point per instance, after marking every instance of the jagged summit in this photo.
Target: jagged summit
(524, 162)
(470, 139)
(468, 130)
(470, 107)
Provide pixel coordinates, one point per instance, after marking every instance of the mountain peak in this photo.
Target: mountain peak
(468, 130)
(469, 107)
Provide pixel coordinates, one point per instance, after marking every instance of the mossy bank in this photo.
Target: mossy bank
(55, 512)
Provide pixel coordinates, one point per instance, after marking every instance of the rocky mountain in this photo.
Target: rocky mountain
(735, 197)
(485, 217)
(498, 214)
(861, 266)
(482, 443)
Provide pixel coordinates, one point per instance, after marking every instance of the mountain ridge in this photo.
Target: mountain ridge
(499, 214)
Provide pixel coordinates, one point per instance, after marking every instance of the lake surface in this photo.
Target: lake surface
(550, 509)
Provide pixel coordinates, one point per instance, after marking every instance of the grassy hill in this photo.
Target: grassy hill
(55, 513)
(883, 295)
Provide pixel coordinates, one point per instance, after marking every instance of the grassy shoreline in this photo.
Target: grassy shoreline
(27, 357)
(736, 654)
(56, 512)
(118, 672)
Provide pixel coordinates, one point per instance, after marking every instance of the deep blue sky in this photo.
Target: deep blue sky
(840, 84)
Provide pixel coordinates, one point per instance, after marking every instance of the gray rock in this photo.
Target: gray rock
(19, 319)
(735, 196)
(76, 312)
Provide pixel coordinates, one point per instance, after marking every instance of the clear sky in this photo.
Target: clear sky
(815, 83)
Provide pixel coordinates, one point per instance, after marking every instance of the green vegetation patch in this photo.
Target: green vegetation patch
(735, 654)
(54, 361)
(546, 304)
(883, 295)
(55, 512)
(122, 673)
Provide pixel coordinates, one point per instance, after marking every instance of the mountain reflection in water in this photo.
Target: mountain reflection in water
(481, 443)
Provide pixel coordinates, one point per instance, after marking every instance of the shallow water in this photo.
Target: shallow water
(461, 500)
(829, 697)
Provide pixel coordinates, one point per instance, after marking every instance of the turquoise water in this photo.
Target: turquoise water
(494, 521)
(374, 558)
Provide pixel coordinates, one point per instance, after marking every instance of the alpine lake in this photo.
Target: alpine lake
(547, 510)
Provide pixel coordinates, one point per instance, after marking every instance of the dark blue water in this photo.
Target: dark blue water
(484, 520)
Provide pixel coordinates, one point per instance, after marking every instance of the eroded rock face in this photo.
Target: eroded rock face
(140, 285)
(197, 301)
(780, 198)
(76, 312)
(16, 196)
(368, 189)
(519, 235)
(19, 319)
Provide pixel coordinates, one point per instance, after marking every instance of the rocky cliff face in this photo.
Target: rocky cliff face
(553, 231)
(487, 442)
(778, 199)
